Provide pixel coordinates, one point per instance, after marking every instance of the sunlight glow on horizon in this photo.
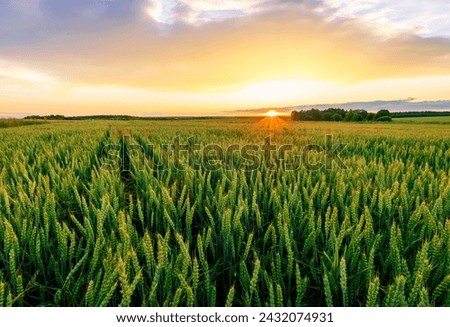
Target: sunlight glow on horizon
(272, 113)
(68, 99)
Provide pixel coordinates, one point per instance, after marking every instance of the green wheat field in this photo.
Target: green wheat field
(76, 230)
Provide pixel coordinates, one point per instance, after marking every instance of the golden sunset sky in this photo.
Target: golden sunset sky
(198, 57)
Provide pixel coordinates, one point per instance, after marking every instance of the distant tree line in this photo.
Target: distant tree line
(96, 117)
(412, 114)
(337, 114)
(114, 117)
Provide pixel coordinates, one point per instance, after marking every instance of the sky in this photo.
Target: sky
(221, 57)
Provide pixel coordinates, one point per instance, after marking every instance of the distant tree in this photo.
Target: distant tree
(408, 114)
(384, 118)
(382, 113)
(349, 116)
(332, 112)
(306, 115)
(356, 117)
(339, 111)
(337, 114)
(362, 113)
(315, 114)
(336, 117)
(327, 116)
(370, 116)
(296, 115)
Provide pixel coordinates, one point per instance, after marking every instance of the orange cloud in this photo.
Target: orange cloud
(227, 55)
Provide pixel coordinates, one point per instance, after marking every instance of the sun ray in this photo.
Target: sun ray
(273, 122)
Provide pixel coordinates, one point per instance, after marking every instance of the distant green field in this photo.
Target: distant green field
(104, 213)
(427, 120)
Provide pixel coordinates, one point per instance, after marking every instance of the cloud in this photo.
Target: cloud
(287, 40)
(36, 21)
(199, 12)
(10, 71)
(386, 17)
(425, 18)
(409, 104)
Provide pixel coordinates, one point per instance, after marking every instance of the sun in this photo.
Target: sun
(272, 113)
